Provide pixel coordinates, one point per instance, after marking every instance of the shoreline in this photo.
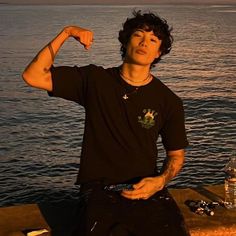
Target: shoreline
(122, 4)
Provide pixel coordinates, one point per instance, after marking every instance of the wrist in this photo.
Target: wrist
(163, 179)
(160, 181)
(67, 31)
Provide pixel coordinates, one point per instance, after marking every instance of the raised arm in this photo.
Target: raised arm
(37, 74)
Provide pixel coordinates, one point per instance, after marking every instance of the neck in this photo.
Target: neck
(135, 75)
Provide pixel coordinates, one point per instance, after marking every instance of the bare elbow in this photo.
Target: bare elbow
(26, 78)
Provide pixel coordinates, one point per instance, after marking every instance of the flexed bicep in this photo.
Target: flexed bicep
(37, 74)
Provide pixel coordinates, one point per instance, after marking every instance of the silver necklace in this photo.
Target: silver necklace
(126, 95)
(149, 76)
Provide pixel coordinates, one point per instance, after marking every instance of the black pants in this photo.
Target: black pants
(105, 213)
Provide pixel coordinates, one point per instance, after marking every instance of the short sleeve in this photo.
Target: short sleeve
(70, 83)
(173, 132)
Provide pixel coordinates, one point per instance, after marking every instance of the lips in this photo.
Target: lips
(141, 51)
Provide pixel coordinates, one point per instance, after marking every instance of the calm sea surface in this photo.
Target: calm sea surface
(40, 137)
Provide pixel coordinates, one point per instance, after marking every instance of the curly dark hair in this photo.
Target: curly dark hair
(148, 22)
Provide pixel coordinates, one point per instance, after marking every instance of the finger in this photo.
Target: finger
(86, 39)
(139, 184)
(136, 196)
(133, 192)
(86, 45)
(133, 195)
(145, 197)
(89, 37)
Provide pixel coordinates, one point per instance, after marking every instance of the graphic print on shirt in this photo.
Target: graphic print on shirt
(148, 119)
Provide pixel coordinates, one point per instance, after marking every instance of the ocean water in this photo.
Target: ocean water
(40, 137)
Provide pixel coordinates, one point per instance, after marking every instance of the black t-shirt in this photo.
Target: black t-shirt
(120, 134)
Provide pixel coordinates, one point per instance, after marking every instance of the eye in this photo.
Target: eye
(137, 35)
(154, 40)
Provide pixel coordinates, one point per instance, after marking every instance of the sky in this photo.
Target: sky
(136, 2)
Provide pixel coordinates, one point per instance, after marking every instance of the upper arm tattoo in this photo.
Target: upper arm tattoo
(51, 51)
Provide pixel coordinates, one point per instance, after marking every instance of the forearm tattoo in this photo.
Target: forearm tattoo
(33, 61)
(51, 51)
(172, 167)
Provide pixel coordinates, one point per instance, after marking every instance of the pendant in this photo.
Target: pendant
(125, 97)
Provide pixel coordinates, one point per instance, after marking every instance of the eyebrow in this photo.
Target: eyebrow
(142, 30)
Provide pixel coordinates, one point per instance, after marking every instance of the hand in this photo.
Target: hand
(84, 36)
(145, 188)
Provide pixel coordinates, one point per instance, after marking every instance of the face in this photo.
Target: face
(142, 48)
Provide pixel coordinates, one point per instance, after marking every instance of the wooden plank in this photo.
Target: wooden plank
(15, 219)
(222, 223)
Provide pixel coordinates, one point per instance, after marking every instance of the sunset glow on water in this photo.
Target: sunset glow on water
(40, 138)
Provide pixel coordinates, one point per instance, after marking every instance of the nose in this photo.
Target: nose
(143, 41)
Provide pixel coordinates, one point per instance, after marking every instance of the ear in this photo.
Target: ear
(158, 54)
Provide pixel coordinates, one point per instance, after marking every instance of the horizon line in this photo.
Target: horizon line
(121, 4)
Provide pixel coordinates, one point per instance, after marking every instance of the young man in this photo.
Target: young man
(127, 108)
